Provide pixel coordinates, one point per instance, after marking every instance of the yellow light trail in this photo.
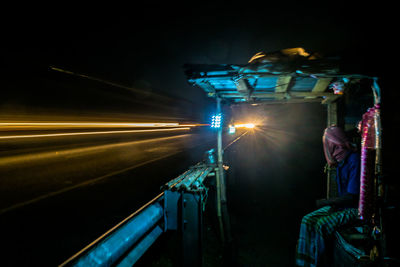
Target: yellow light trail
(246, 125)
(92, 133)
(90, 124)
(70, 152)
(85, 183)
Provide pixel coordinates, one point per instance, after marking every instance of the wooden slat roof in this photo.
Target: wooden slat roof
(300, 81)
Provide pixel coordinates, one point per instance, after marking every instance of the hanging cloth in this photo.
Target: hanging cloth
(367, 196)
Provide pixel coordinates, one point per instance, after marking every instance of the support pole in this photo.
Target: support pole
(220, 156)
(219, 209)
(222, 203)
(332, 118)
(219, 177)
(332, 114)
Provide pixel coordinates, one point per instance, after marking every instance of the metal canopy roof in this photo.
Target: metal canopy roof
(288, 81)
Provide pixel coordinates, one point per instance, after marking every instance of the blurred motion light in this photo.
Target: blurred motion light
(216, 121)
(246, 125)
(232, 129)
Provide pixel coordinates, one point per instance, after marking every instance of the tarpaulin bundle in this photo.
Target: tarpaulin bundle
(292, 60)
(368, 138)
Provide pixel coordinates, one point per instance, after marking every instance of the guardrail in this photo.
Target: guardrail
(179, 207)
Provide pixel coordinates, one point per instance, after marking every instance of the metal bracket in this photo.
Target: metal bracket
(191, 229)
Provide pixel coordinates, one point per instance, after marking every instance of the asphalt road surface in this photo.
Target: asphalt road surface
(62, 187)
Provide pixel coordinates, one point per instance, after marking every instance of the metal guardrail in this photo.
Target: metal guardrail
(191, 180)
(178, 207)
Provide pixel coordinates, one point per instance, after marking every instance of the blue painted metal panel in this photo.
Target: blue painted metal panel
(215, 73)
(192, 218)
(171, 199)
(266, 84)
(222, 84)
(111, 248)
(135, 254)
(302, 84)
(252, 82)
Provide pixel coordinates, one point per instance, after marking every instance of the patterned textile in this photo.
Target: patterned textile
(315, 228)
(336, 145)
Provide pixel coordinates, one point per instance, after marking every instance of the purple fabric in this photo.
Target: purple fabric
(336, 145)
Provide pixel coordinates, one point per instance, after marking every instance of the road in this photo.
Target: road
(63, 185)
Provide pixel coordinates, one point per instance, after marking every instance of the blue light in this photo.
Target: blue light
(216, 121)
(232, 129)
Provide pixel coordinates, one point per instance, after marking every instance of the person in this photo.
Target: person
(317, 226)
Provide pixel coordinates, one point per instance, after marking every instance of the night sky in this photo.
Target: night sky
(146, 46)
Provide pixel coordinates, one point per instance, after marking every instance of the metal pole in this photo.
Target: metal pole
(220, 156)
(220, 176)
(219, 210)
(222, 185)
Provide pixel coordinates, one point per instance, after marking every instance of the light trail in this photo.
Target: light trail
(6, 162)
(6, 125)
(132, 89)
(234, 141)
(86, 183)
(91, 133)
(87, 124)
(246, 125)
(19, 159)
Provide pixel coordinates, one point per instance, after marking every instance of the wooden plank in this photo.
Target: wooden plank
(321, 84)
(242, 87)
(331, 119)
(292, 94)
(331, 114)
(330, 99)
(205, 85)
(297, 96)
(280, 101)
(282, 85)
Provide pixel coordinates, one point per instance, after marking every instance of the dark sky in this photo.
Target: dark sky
(147, 45)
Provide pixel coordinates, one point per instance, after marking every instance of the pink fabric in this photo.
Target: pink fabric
(366, 203)
(336, 145)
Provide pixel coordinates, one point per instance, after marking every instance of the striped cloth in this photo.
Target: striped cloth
(315, 228)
